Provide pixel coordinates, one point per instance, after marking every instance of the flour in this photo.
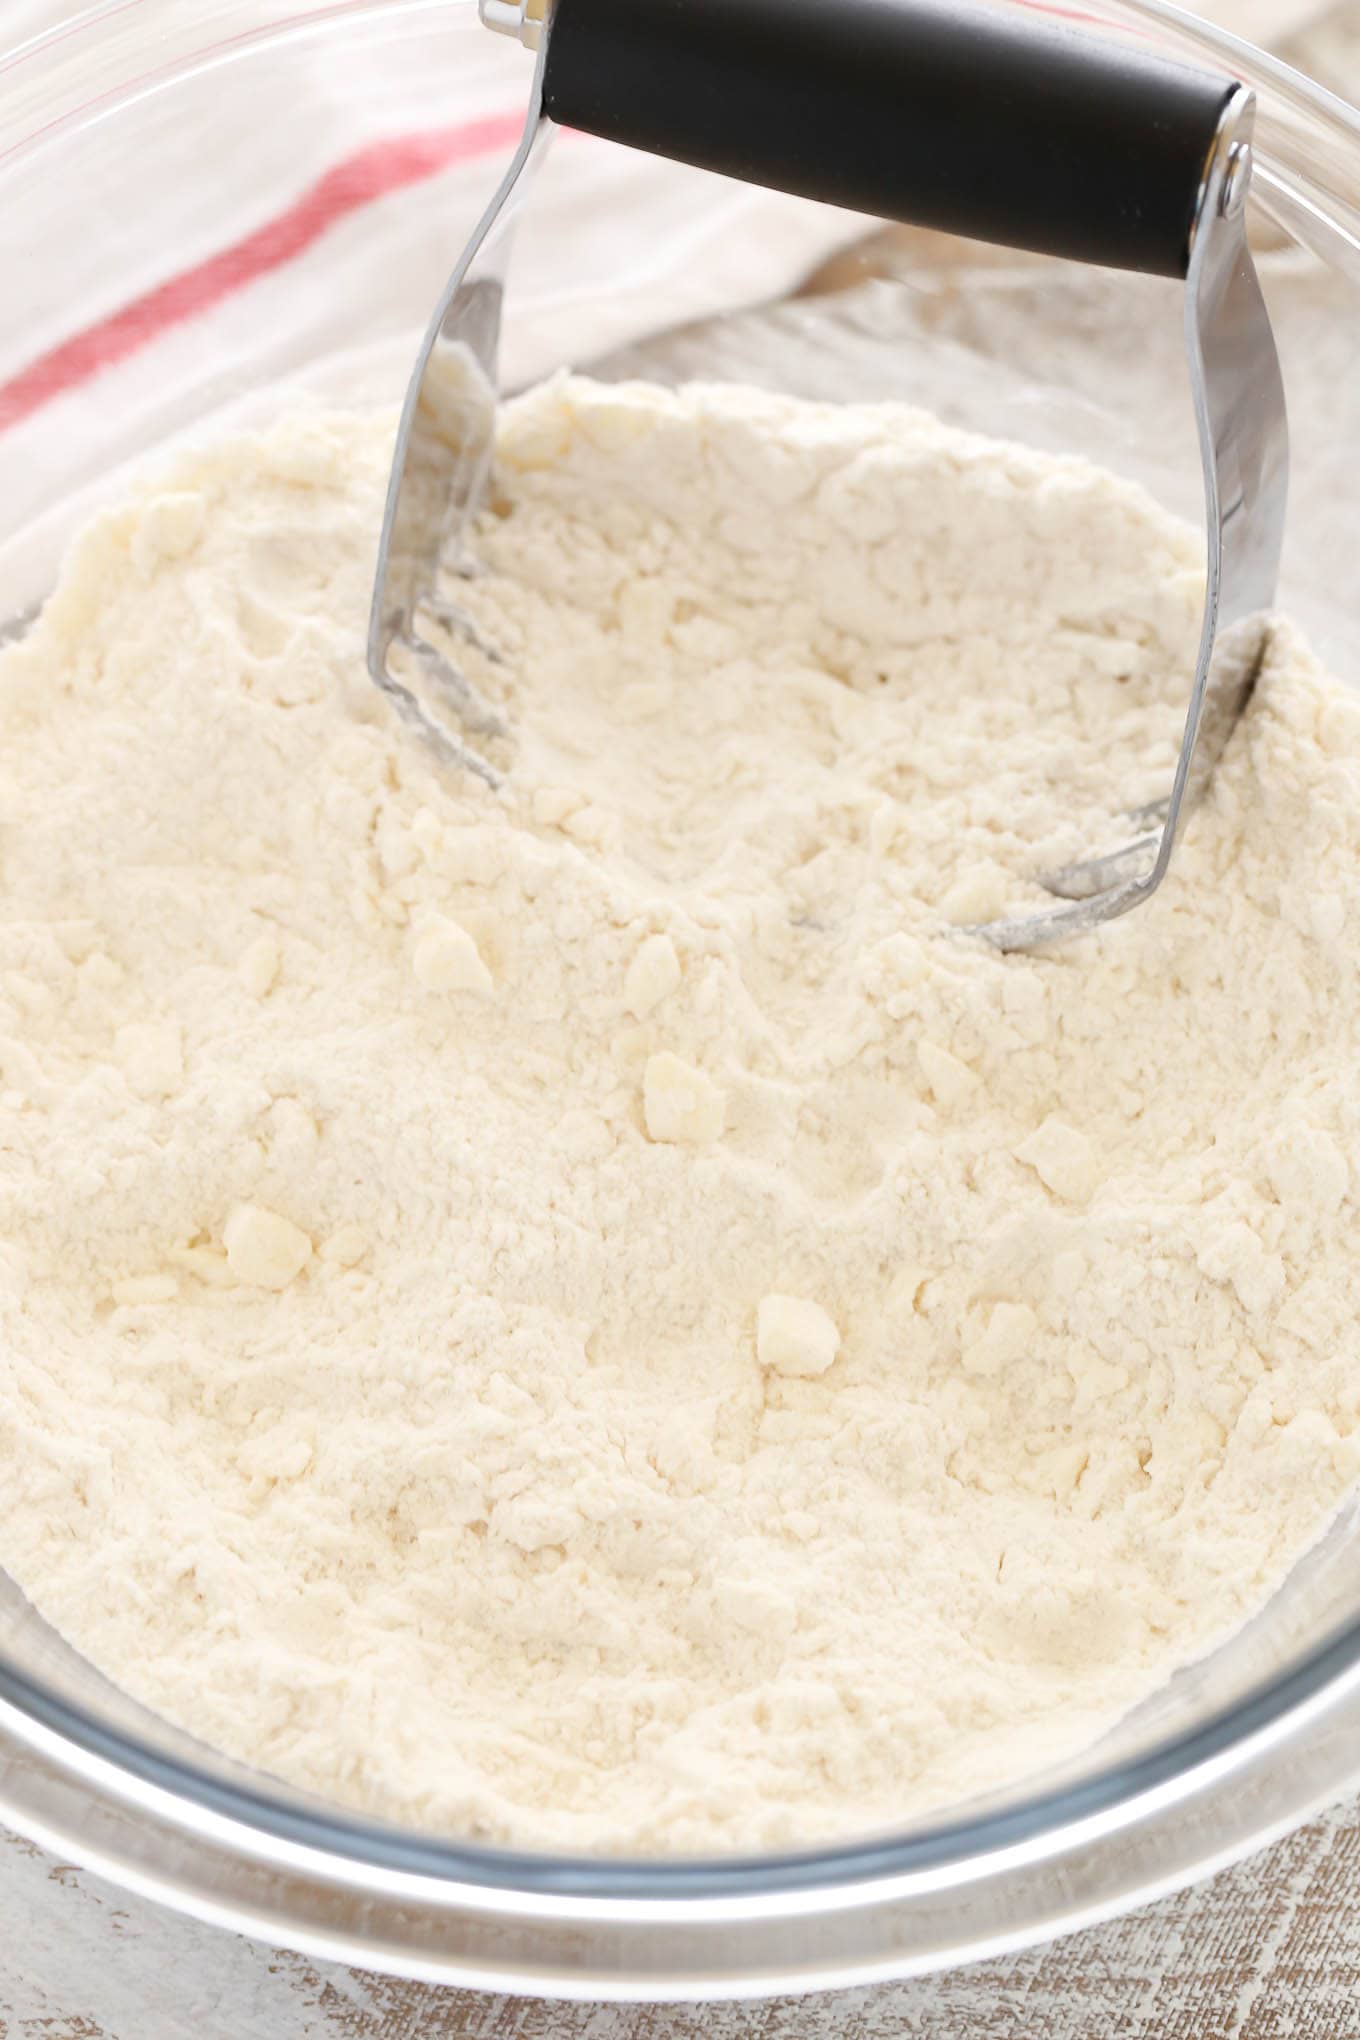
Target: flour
(595, 1317)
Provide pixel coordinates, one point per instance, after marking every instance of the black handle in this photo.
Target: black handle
(977, 119)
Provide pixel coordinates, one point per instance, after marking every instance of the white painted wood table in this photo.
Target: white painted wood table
(1268, 1951)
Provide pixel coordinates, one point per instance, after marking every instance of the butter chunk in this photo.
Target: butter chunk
(446, 959)
(653, 974)
(1063, 1159)
(553, 805)
(152, 1057)
(259, 966)
(951, 1081)
(1233, 1254)
(345, 1248)
(592, 825)
(1308, 1171)
(263, 1249)
(1004, 1341)
(679, 1103)
(795, 1336)
(141, 1289)
(169, 528)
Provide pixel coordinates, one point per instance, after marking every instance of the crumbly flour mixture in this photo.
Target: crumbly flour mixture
(597, 1317)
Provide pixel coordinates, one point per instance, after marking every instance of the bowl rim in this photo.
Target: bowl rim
(1233, 1736)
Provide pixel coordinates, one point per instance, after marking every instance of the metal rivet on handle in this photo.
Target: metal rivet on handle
(522, 19)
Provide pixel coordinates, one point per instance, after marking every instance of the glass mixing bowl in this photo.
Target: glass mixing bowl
(181, 191)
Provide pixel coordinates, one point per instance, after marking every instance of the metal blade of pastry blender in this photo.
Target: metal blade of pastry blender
(930, 112)
(418, 635)
(1239, 404)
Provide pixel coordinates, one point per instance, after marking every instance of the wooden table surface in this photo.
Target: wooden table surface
(1268, 1951)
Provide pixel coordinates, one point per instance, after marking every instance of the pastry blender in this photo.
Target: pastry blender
(981, 119)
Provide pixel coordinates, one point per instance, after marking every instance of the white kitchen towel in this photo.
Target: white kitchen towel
(262, 214)
(269, 213)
